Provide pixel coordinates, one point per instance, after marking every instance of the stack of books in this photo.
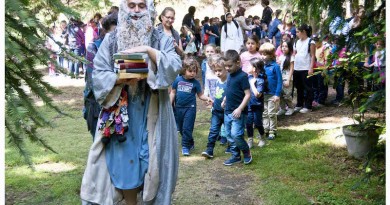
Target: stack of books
(131, 65)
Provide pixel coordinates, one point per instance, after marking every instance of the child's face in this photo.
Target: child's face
(378, 45)
(262, 56)
(265, 27)
(251, 45)
(231, 66)
(190, 74)
(209, 51)
(257, 21)
(253, 70)
(285, 48)
(220, 72)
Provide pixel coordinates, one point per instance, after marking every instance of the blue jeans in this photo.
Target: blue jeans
(185, 120)
(320, 89)
(217, 118)
(74, 64)
(235, 128)
(255, 115)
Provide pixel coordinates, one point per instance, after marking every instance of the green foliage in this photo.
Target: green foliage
(25, 36)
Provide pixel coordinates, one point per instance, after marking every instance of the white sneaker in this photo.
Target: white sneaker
(281, 112)
(289, 112)
(261, 143)
(296, 109)
(250, 142)
(305, 110)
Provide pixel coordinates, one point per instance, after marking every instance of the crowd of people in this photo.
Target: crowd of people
(251, 68)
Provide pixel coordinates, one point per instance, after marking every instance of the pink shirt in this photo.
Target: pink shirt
(245, 60)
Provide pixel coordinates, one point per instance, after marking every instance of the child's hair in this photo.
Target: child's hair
(210, 45)
(215, 60)
(268, 49)
(255, 39)
(306, 28)
(189, 63)
(231, 55)
(287, 61)
(259, 66)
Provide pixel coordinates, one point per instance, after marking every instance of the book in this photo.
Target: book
(130, 61)
(136, 70)
(132, 75)
(131, 56)
(130, 65)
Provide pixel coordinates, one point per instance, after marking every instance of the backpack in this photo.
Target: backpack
(235, 23)
(308, 48)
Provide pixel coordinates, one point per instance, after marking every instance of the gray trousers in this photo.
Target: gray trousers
(270, 119)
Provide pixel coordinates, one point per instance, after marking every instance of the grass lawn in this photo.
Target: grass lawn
(299, 167)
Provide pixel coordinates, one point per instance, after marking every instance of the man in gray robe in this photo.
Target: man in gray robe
(148, 159)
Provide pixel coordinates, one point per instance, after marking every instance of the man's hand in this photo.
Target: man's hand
(237, 113)
(286, 84)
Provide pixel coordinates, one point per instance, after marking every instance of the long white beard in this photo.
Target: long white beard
(132, 33)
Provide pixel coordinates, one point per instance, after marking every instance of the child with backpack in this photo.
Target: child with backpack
(286, 63)
(258, 85)
(182, 96)
(304, 52)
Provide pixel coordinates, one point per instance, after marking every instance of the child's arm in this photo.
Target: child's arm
(172, 95)
(254, 88)
(279, 85)
(223, 102)
(204, 98)
(237, 112)
(290, 74)
(313, 58)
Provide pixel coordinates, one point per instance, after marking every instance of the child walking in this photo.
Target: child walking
(252, 45)
(235, 104)
(183, 92)
(286, 63)
(209, 50)
(217, 113)
(272, 97)
(258, 83)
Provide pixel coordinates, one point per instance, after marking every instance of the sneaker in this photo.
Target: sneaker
(208, 153)
(261, 143)
(289, 112)
(231, 161)
(320, 105)
(228, 151)
(247, 157)
(271, 136)
(305, 110)
(250, 142)
(335, 102)
(192, 147)
(314, 104)
(185, 151)
(223, 141)
(281, 112)
(296, 109)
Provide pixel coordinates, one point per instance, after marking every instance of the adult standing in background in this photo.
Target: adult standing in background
(148, 159)
(267, 12)
(273, 32)
(188, 19)
(231, 35)
(167, 19)
(240, 18)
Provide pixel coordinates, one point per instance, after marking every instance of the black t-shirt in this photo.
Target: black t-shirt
(236, 84)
